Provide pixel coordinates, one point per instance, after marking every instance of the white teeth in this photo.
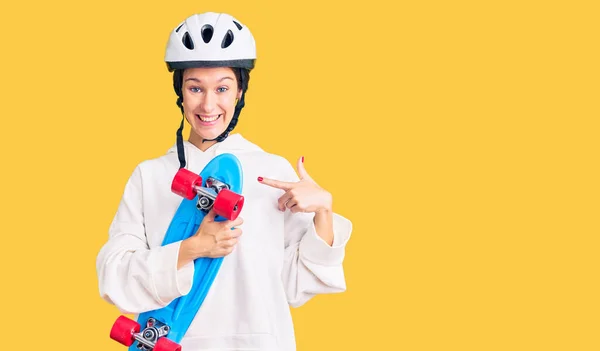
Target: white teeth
(209, 119)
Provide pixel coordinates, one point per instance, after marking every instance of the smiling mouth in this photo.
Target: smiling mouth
(208, 118)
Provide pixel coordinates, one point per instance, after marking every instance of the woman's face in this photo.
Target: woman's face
(209, 98)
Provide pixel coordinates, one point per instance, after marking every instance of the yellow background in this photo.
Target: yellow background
(461, 138)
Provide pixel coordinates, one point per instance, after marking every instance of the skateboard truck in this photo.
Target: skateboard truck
(152, 338)
(215, 195)
(207, 195)
(149, 336)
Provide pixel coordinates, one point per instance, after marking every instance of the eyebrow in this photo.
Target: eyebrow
(198, 80)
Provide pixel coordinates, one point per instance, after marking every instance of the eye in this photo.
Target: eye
(195, 90)
(222, 89)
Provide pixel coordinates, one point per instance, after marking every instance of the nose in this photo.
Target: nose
(208, 103)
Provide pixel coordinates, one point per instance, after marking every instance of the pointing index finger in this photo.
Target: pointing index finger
(276, 183)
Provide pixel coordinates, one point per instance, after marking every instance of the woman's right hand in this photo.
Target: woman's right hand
(212, 239)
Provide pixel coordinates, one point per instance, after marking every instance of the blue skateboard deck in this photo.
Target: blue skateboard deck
(181, 311)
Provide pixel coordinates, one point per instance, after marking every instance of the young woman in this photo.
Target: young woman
(286, 246)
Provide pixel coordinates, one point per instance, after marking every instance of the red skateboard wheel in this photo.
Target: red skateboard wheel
(184, 182)
(164, 344)
(228, 204)
(123, 329)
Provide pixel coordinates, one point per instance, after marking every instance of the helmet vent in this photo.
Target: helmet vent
(178, 28)
(227, 40)
(239, 26)
(207, 32)
(187, 41)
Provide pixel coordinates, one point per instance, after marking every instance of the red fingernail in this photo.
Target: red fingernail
(260, 179)
(302, 159)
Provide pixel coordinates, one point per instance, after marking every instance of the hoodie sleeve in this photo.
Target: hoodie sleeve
(311, 266)
(131, 275)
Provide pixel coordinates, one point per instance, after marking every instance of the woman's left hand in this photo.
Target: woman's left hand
(302, 196)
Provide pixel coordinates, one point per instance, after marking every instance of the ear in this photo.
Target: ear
(239, 94)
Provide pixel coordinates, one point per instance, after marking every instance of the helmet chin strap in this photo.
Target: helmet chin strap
(180, 152)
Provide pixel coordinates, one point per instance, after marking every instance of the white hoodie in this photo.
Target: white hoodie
(280, 261)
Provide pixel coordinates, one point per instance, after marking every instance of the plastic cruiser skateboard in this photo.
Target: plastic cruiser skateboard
(218, 186)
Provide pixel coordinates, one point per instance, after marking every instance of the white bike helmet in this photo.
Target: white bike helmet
(210, 40)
